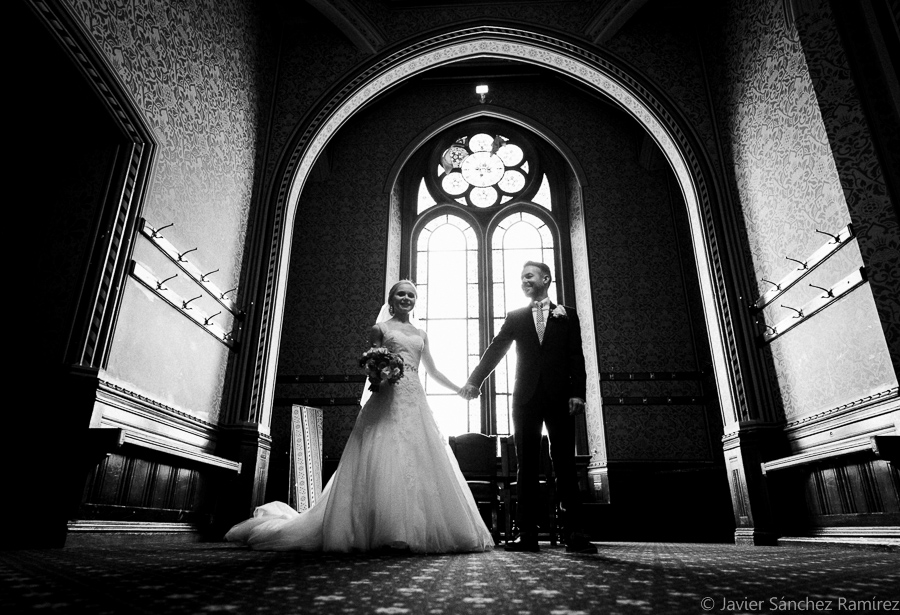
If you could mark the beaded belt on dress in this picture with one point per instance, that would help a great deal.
(410, 368)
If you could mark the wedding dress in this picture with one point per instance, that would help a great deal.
(397, 484)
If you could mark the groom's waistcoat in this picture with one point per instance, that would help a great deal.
(557, 364)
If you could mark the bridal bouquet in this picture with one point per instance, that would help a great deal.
(381, 366)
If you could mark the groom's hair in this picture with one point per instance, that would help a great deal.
(542, 266)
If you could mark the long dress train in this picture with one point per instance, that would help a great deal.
(397, 484)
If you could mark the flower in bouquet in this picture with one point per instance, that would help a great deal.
(382, 366)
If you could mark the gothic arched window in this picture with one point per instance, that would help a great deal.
(483, 205)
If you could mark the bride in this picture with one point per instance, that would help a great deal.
(398, 484)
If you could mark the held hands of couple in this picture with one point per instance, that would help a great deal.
(468, 392)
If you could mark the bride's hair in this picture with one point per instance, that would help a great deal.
(394, 289)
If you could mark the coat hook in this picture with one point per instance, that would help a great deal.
(184, 304)
(154, 232)
(802, 263)
(222, 296)
(203, 277)
(206, 321)
(159, 285)
(777, 286)
(769, 327)
(181, 258)
(828, 292)
(837, 238)
(799, 312)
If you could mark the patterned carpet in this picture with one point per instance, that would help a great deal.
(645, 578)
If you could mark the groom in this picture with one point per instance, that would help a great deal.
(549, 389)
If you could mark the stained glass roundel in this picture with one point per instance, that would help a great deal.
(511, 154)
(481, 142)
(455, 155)
(482, 169)
(483, 197)
(454, 184)
(512, 182)
(485, 167)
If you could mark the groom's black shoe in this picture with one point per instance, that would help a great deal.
(523, 543)
(579, 543)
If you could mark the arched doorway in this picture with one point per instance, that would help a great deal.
(599, 74)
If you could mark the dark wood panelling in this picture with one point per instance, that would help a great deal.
(162, 476)
(182, 488)
(138, 486)
(146, 488)
(860, 492)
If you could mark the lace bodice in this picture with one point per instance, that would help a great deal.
(407, 343)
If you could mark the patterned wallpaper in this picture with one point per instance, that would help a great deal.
(655, 433)
(785, 179)
(338, 256)
(311, 60)
(661, 42)
(876, 219)
(201, 74)
(571, 16)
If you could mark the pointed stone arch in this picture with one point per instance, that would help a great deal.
(594, 71)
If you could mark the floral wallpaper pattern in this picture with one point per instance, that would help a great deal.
(875, 218)
(572, 16)
(655, 433)
(201, 73)
(662, 44)
(786, 180)
(309, 65)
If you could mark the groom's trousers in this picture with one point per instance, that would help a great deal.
(528, 419)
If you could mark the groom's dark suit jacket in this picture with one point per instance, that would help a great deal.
(557, 364)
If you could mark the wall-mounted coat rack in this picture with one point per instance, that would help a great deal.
(828, 296)
(159, 288)
(189, 269)
(804, 267)
(636, 376)
(318, 379)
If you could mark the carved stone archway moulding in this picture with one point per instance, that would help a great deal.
(512, 44)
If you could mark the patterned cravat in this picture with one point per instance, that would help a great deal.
(539, 321)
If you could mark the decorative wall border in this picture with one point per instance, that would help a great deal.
(133, 400)
(499, 42)
(850, 412)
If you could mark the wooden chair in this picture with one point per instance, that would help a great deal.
(548, 520)
(476, 455)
